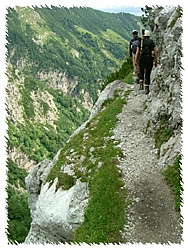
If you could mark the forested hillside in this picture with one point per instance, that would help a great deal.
(57, 62)
(69, 50)
(79, 42)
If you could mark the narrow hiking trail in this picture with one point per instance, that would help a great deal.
(151, 215)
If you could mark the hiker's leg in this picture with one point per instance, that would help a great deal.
(149, 67)
(138, 68)
(141, 74)
(136, 72)
(141, 82)
(142, 68)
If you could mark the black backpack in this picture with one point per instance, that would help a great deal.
(147, 47)
(134, 45)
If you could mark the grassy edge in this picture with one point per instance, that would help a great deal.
(163, 133)
(172, 175)
(105, 214)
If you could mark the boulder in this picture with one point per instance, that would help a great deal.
(55, 214)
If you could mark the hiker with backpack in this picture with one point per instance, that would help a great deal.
(146, 52)
(135, 41)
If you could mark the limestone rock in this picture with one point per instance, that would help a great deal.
(55, 214)
(170, 150)
(108, 93)
(58, 214)
(20, 158)
(165, 94)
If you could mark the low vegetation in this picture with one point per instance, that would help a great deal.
(173, 177)
(179, 13)
(17, 204)
(19, 218)
(163, 131)
(173, 172)
(124, 73)
(40, 140)
(104, 216)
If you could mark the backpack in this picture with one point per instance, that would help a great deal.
(147, 47)
(134, 45)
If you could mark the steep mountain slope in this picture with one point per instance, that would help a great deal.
(68, 43)
(83, 172)
(114, 170)
(57, 60)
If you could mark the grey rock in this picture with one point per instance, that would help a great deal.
(68, 169)
(55, 214)
(170, 150)
(165, 94)
(58, 213)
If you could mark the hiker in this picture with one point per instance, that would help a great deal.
(135, 41)
(145, 52)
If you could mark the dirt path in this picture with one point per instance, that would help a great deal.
(151, 216)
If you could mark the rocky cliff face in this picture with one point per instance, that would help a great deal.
(165, 96)
(57, 213)
(166, 86)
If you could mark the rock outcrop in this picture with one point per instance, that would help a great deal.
(166, 87)
(55, 214)
(164, 99)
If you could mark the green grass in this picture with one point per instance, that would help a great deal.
(84, 31)
(179, 13)
(124, 73)
(105, 213)
(147, 126)
(173, 176)
(163, 133)
(111, 35)
(128, 78)
(104, 216)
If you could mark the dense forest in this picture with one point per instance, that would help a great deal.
(48, 48)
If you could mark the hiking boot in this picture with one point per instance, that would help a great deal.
(137, 80)
(147, 89)
(141, 85)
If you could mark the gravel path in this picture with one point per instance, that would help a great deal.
(151, 214)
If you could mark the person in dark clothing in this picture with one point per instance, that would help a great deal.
(135, 41)
(145, 52)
